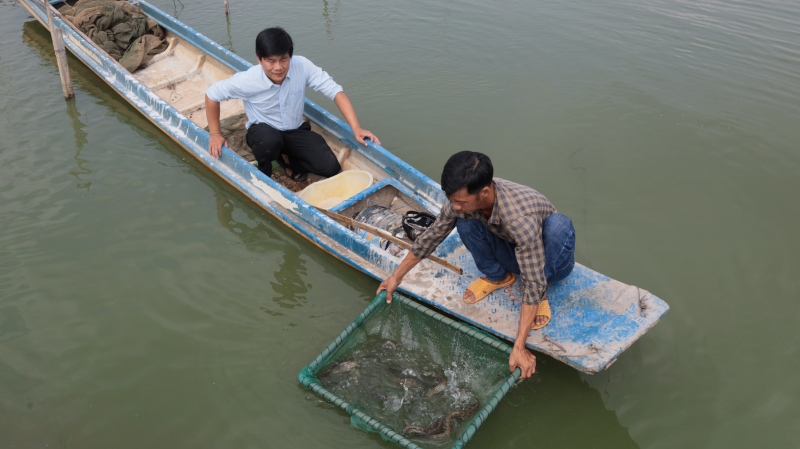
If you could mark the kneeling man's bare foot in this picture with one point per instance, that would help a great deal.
(470, 298)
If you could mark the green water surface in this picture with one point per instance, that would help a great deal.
(145, 303)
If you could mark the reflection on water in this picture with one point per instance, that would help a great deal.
(581, 174)
(80, 141)
(175, 10)
(230, 39)
(260, 238)
(331, 18)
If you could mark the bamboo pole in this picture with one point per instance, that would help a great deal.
(226, 7)
(61, 53)
(385, 235)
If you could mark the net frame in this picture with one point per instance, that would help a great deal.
(308, 378)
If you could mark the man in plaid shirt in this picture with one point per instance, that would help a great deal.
(510, 230)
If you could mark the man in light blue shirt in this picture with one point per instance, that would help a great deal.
(273, 93)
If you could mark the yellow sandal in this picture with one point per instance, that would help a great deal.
(481, 288)
(544, 309)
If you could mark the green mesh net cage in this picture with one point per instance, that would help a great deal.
(470, 374)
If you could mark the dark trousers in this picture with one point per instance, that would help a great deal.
(308, 152)
(495, 256)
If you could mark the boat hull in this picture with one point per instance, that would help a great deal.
(594, 318)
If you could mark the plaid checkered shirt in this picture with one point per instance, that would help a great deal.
(517, 217)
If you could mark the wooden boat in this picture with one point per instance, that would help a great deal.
(594, 318)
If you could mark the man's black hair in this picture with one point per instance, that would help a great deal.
(467, 169)
(274, 41)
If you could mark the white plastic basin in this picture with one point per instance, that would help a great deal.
(334, 190)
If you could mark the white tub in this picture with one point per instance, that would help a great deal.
(332, 191)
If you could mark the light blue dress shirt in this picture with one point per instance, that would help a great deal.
(280, 106)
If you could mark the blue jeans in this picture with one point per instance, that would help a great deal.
(495, 257)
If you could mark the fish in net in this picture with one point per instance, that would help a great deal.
(414, 374)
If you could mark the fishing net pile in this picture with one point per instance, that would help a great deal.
(414, 374)
(119, 28)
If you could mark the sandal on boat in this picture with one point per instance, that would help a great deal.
(481, 288)
(544, 309)
(297, 175)
(284, 165)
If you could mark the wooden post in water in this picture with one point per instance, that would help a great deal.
(61, 53)
(226, 7)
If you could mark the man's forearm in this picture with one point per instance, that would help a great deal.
(409, 262)
(527, 315)
(390, 283)
(520, 356)
(212, 116)
(349, 113)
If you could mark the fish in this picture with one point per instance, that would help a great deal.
(344, 367)
(339, 367)
(408, 382)
(406, 375)
(441, 427)
(439, 387)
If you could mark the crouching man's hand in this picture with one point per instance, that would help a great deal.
(394, 279)
(390, 284)
(522, 358)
